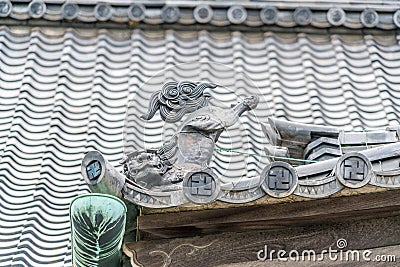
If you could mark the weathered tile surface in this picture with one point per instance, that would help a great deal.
(64, 92)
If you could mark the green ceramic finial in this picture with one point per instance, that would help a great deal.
(97, 230)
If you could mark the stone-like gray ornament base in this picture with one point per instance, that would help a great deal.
(315, 180)
(279, 179)
(201, 187)
(354, 170)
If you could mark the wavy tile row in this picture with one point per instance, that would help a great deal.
(379, 14)
(64, 92)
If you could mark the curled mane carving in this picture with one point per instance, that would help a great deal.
(176, 99)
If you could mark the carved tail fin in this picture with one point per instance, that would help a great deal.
(177, 99)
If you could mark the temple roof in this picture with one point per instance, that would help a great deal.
(236, 14)
(65, 91)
